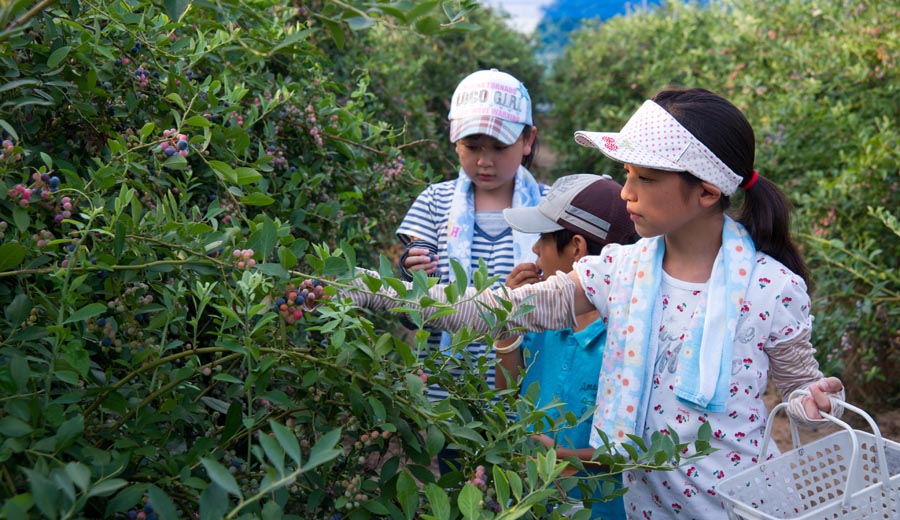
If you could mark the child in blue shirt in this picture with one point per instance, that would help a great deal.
(581, 214)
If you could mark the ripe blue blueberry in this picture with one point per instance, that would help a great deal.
(182, 145)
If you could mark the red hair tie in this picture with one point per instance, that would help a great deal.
(749, 184)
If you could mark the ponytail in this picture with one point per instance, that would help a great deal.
(766, 212)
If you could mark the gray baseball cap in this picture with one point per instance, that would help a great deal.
(585, 204)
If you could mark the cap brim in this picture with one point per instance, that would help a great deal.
(504, 131)
(618, 148)
(529, 220)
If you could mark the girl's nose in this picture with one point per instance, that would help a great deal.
(627, 194)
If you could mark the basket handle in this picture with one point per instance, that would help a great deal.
(853, 480)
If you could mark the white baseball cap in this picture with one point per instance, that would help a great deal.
(490, 102)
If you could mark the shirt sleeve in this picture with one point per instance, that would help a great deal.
(420, 221)
(552, 301)
(792, 361)
(595, 273)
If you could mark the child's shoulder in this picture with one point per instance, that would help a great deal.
(769, 273)
(440, 189)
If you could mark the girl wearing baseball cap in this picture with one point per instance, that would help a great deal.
(461, 219)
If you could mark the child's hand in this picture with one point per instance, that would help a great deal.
(819, 398)
(524, 274)
(418, 258)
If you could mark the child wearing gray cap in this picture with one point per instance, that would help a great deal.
(579, 216)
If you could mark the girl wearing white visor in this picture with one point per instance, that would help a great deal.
(699, 311)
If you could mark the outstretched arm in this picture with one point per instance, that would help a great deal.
(555, 302)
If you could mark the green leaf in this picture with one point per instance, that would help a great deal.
(273, 452)
(125, 500)
(88, 311)
(18, 309)
(198, 121)
(9, 130)
(408, 494)
(358, 23)
(218, 474)
(105, 488)
(469, 501)
(214, 504)
(227, 172)
(175, 98)
(175, 9)
(287, 258)
(162, 503)
(257, 199)
(247, 176)
(434, 441)
(58, 56)
(147, 129)
(11, 255)
(14, 427)
(440, 502)
(336, 31)
(288, 440)
(501, 484)
(323, 451)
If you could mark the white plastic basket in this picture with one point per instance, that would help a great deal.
(848, 474)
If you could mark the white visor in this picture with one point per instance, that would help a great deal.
(652, 138)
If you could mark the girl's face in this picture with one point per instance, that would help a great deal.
(659, 202)
(550, 259)
(489, 163)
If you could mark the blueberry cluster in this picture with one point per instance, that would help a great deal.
(243, 258)
(7, 151)
(144, 513)
(391, 170)
(296, 299)
(173, 143)
(142, 76)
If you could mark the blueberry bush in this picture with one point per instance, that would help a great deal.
(180, 182)
(819, 82)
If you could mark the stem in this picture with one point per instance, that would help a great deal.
(31, 13)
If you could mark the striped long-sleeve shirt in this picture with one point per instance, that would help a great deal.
(426, 223)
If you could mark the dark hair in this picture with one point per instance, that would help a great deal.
(724, 129)
(529, 159)
(564, 236)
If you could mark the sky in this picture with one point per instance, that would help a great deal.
(525, 14)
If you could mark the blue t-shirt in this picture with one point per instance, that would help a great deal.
(566, 365)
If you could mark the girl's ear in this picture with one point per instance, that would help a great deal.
(528, 142)
(709, 195)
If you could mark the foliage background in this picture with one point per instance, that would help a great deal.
(818, 81)
(148, 368)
